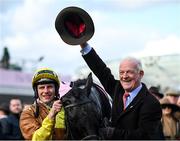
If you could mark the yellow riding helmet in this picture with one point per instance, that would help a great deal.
(45, 75)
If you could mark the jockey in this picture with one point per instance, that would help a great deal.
(44, 120)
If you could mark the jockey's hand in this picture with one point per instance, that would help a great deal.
(56, 107)
(106, 133)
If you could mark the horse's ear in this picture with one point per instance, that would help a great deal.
(89, 83)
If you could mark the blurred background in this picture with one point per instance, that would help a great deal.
(146, 29)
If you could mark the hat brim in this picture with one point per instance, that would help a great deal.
(172, 94)
(63, 32)
(172, 106)
(159, 95)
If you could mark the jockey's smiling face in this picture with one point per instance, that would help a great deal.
(46, 92)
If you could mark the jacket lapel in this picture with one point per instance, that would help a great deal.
(136, 101)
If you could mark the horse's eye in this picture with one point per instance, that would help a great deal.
(67, 102)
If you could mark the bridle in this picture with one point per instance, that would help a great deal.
(77, 104)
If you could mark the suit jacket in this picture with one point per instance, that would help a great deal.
(141, 119)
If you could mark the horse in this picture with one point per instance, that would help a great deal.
(87, 109)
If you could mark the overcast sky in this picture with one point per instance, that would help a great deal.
(122, 28)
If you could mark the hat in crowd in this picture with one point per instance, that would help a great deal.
(155, 90)
(166, 103)
(74, 25)
(172, 92)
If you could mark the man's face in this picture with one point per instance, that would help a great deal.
(46, 92)
(15, 106)
(130, 75)
(166, 110)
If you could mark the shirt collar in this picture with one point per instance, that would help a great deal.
(133, 94)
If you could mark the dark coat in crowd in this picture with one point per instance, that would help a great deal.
(1, 134)
(4, 128)
(12, 130)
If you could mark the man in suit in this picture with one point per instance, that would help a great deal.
(140, 118)
(11, 129)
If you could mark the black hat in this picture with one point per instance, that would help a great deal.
(155, 90)
(74, 25)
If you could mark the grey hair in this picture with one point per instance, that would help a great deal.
(136, 61)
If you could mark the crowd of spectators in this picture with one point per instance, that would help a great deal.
(170, 104)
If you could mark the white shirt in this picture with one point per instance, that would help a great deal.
(86, 49)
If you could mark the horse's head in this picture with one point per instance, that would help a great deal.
(82, 111)
(79, 94)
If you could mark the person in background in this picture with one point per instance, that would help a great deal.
(178, 102)
(172, 95)
(4, 112)
(12, 131)
(155, 91)
(136, 114)
(1, 134)
(44, 120)
(177, 114)
(170, 120)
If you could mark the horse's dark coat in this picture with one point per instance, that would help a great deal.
(86, 105)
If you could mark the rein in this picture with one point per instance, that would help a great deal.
(77, 104)
(94, 137)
